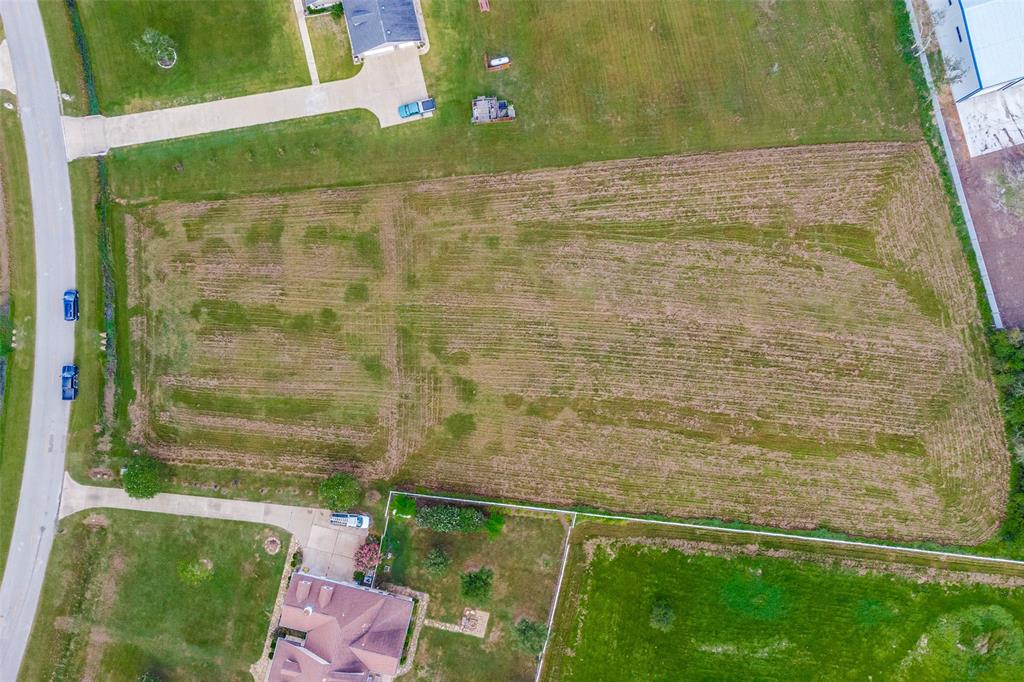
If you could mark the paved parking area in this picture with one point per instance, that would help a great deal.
(384, 83)
(331, 550)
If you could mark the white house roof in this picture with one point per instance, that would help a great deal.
(996, 33)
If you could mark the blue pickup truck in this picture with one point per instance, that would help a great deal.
(69, 382)
(425, 107)
(71, 305)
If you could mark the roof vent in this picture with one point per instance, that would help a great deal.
(324, 598)
(308, 610)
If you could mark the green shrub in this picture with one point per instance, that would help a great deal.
(341, 491)
(338, 11)
(404, 506)
(495, 522)
(436, 562)
(530, 636)
(195, 572)
(663, 616)
(447, 518)
(476, 585)
(144, 476)
(358, 576)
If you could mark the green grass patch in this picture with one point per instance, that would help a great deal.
(331, 50)
(130, 593)
(589, 81)
(223, 50)
(17, 245)
(748, 617)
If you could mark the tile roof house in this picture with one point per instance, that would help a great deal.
(352, 633)
(379, 25)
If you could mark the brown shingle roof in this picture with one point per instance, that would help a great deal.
(350, 632)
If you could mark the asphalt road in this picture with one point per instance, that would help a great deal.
(54, 338)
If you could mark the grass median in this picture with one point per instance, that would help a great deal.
(16, 224)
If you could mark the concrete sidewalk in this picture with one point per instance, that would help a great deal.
(385, 82)
(327, 550)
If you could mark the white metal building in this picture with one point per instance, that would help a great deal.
(985, 39)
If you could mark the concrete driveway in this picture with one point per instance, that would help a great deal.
(385, 82)
(326, 550)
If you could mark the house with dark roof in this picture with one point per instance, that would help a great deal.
(339, 631)
(376, 26)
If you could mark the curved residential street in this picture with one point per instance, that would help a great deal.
(54, 338)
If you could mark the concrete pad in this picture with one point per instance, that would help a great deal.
(6, 71)
(322, 539)
(993, 121)
(385, 82)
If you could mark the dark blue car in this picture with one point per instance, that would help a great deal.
(69, 382)
(71, 305)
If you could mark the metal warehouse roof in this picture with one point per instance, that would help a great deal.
(996, 32)
(373, 23)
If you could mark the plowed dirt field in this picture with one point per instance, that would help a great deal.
(785, 336)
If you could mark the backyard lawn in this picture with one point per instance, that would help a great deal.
(222, 49)
(590, 80)
(683, 610)
(331, 49)
(524, 556)
(130, 593)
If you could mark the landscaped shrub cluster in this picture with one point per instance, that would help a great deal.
(1008, 367)
(340, 491)
(366, 556)
(476, 585)
(447, 518)
(530, 636)
(144, 476)
(436, 562)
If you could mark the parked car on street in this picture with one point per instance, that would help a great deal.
(69, 382)
(350, 520)
(71, 305)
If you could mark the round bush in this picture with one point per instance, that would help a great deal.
(341, 491)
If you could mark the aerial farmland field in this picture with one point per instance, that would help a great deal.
(786, 336)
(686, 608)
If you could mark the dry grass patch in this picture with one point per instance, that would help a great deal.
(784, 336)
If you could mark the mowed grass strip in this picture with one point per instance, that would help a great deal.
(17, 290)
(130, 593)
(223, 50)
(590, 80)
(679, 608)
(786, 337)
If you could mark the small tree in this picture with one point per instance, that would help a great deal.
(367, 556)
(338, 11)
(341, 491)
(437, 562)
(158, 47)
(530, 636)
(476, 585)
(663, 617)
(144, 476)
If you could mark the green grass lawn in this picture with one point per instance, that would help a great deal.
(224, 50)
(331, 50)
(67, 66)
(590, 80)
(128, 593)
(743, 615)
(20, 254)
(525, 557)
